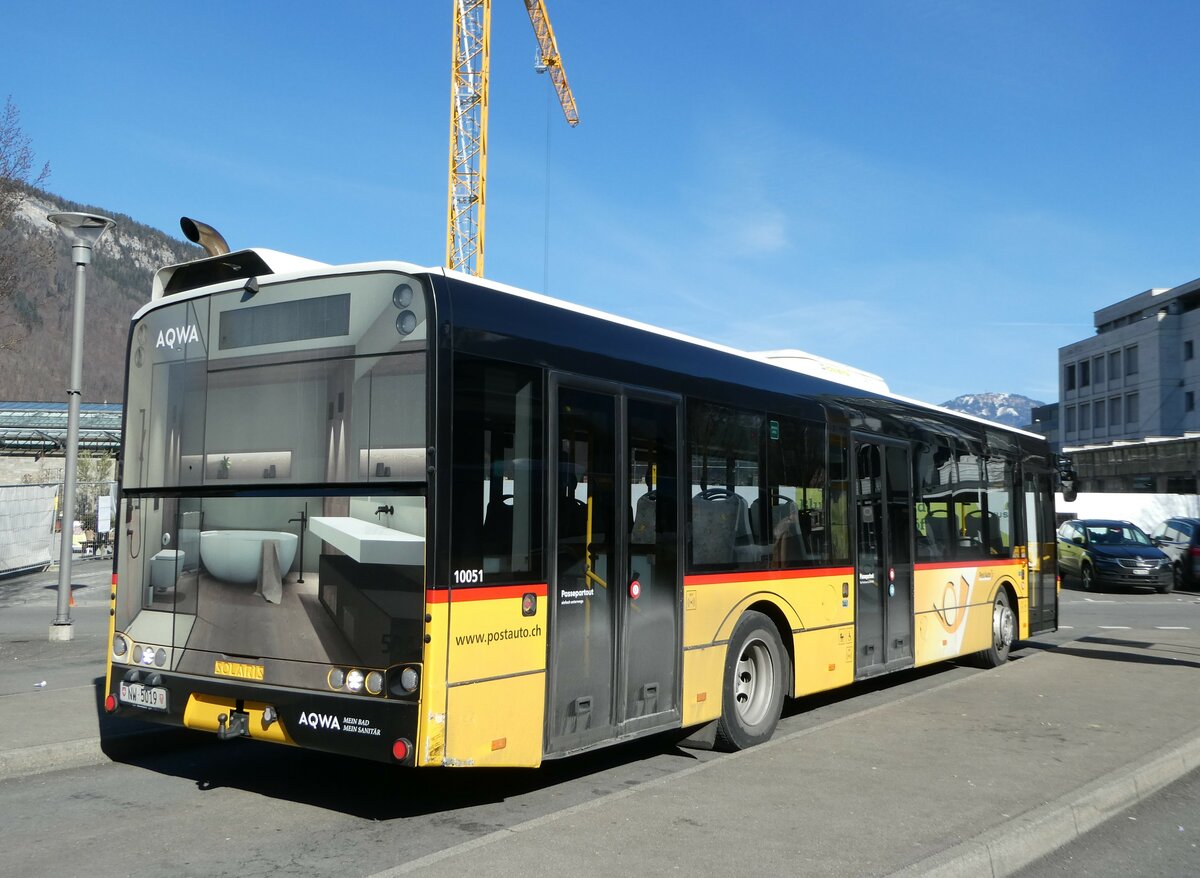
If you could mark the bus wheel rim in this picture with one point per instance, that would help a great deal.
(754, 681)
(1003, 625)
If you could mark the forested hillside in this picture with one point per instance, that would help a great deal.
(37, 367)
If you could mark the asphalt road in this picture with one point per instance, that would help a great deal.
(188, 805)
(1161, 835)
(279, 811)
(1156, 837)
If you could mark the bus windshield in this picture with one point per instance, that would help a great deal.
(273, 479)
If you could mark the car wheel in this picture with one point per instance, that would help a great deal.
(756, 666)
(1171, 584)
(1087, 578)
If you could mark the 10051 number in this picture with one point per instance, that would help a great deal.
(468, 577)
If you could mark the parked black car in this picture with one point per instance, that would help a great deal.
(1107, 552)
(1180, 539)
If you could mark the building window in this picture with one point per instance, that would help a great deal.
(1189, 351)
(1131, 360)
(1085, 373)
(1069, 377)
(1114, 365)
(1098, 369)
(1085, 417)
(1114, 412)
(1071, 419)
(1131, 409)
(1189, 401)
(1181, 485)
(1099, 413)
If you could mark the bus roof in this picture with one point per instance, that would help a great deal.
(228, 271)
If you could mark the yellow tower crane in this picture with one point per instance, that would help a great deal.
(469, 119)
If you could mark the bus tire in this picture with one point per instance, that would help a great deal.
(1004, 632)
(755, 679)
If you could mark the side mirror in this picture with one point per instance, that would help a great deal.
(1077, 540)
(1066, 478)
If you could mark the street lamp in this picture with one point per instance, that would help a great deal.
(84, 231)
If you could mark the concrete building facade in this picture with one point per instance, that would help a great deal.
(1128, 396)
(1139, 375)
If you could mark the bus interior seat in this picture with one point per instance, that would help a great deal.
(645, 519)
(786, 538)
(938, 530)
(498, 525)
(720, 526)
(983, 530)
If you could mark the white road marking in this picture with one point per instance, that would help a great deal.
(1171, 628)
(1114, 627)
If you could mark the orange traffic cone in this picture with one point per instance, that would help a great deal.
(72, 601)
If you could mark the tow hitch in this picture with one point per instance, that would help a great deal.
(235, 724)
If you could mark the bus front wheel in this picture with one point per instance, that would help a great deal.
(1004, 632)
(756, 668)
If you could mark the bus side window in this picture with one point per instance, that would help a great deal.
(788, 522)
(937, 531)
(496, 526)
(724, 445)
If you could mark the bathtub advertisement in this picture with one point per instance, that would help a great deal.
(320, 583)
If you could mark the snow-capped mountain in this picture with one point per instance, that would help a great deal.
(1010, 409)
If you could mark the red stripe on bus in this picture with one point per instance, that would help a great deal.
(488, 593)
(765, 575)
(947, 565)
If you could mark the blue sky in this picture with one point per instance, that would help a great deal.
(939, 192)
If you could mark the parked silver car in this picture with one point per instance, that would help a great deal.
(1180, 539)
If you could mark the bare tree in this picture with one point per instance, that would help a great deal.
(16, 176)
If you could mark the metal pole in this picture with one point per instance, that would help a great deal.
(84, 231)
(81, 256)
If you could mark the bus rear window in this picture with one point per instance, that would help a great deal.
(300, 320)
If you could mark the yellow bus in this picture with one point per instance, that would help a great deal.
(418, 517)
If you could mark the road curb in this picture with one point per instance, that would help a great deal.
(1033, 835)
(28, 761)
(50, 757)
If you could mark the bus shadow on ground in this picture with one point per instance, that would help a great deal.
(361, 788)
(378, 791)
(1116, 649)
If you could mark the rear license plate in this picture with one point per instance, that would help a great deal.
(149, 697)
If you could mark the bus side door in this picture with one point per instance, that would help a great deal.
(884, 566)
(615, 583)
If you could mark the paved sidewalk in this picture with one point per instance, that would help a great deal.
(977, 776)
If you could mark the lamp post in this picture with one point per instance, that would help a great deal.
(84, 231)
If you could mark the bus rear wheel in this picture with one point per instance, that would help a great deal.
(756, 668)
(1004, 632)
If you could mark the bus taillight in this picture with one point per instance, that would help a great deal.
(400, 750)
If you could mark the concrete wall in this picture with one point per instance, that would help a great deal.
(1147, 511)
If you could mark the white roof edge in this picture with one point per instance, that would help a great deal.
(289, 268)
(823, 367)
(300, 265)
